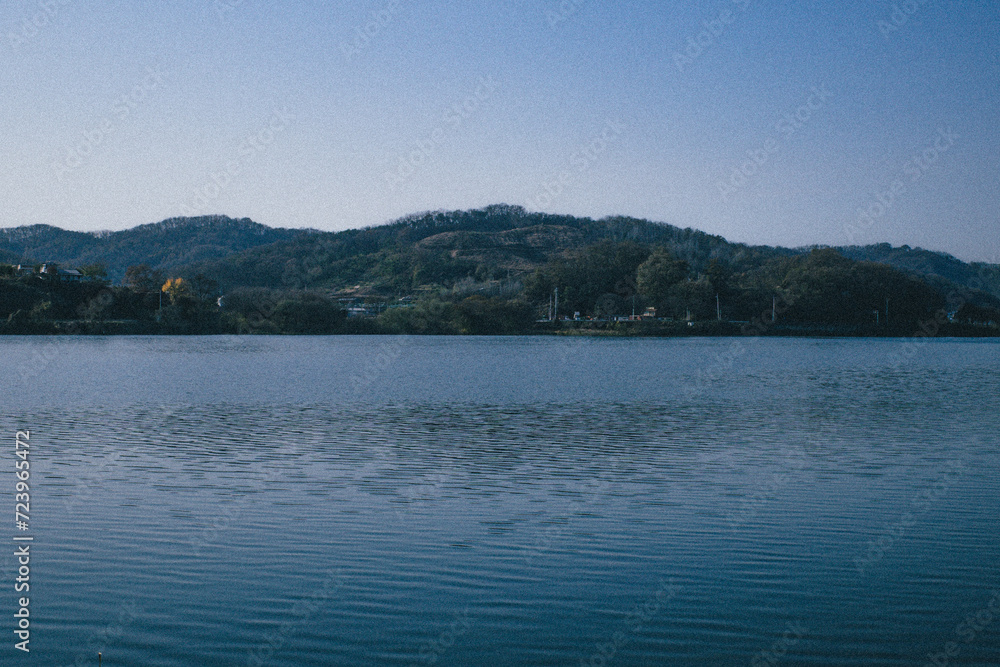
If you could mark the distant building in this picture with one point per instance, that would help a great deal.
(360, 311)
(64, 275)
(70, 275)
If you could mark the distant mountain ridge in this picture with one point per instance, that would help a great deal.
(437, 247)
(930, 265)
(440, 247)
(162, 245)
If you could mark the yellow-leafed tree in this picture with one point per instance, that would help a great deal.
(176, 289)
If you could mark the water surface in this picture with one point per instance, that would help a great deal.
(507, 501)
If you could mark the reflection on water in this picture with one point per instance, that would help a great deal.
(509, 501)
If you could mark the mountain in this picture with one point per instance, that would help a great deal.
(495, 243)
(499, 242)
(492, 270)
(162, 245)
(933, 266)
(503, 242)
(9, 257)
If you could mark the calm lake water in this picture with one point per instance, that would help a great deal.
(506, 501)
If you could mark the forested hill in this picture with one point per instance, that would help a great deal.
(430, 248)
(498, 242)
(494, 270)
(501, 242)
(932, 266)
(161, 245)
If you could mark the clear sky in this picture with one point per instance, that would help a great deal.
(764, 122)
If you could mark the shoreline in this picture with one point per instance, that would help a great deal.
(565, 328)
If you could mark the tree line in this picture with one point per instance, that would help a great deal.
(612, 279)
(604, 281)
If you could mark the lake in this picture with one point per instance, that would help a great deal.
(505, 501)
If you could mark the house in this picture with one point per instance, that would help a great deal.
(63, 275)
(361, 311)
(70, 275)
(23, 270)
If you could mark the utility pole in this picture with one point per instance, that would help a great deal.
(557, 304)
(774, 308)
(718, 308)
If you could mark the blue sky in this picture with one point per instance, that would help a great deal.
(821, 122)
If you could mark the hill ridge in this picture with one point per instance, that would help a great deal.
(243, 251)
